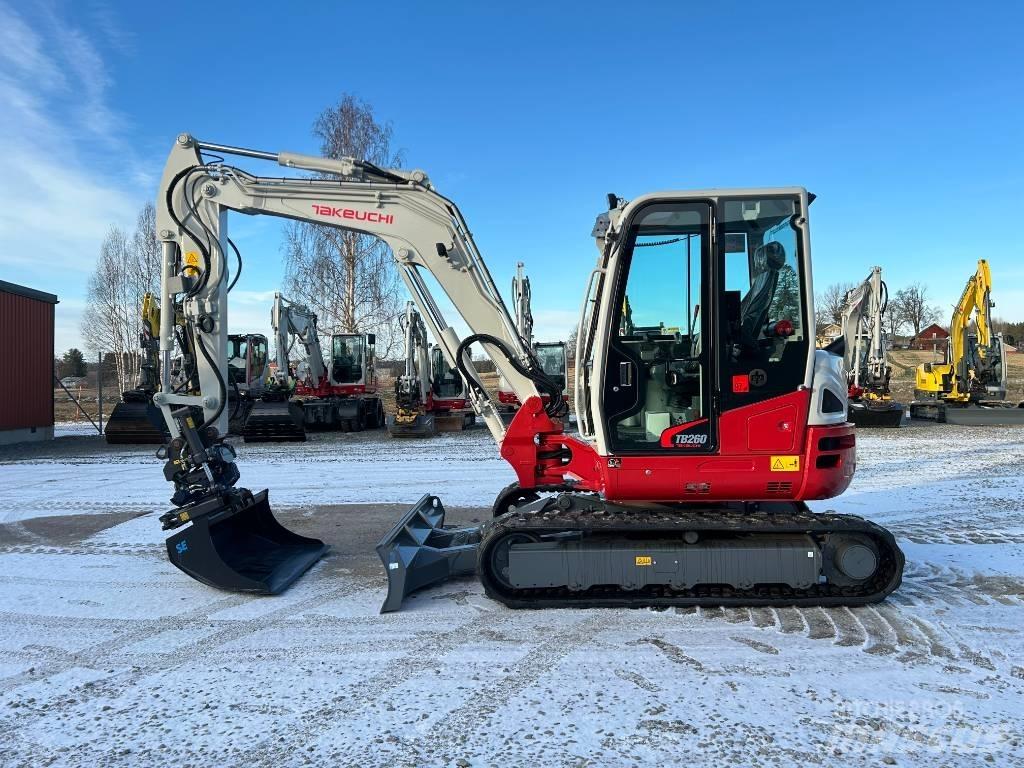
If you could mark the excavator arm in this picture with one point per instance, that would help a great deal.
(862, 311)
(425, 231)
(975, 304)
(289, 319)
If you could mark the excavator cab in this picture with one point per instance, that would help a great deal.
(675, 292)
(352, 359)
(247, 361)
(445, 382)
(552, 359)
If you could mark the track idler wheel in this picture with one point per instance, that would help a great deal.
(499, 556)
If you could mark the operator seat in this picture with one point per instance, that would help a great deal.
(769, 258)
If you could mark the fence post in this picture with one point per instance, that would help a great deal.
(99, 385)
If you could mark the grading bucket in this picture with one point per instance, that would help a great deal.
(242, 548)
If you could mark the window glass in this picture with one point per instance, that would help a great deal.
(551, 357)
(347, 359)
(762, 303)
(655, 380)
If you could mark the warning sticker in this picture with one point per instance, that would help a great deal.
(192, 258)
(785, 463)
(643, 560)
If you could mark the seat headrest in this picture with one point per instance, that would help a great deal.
(771, 255)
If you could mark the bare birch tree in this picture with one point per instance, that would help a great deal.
(347, 278)
(127, 268)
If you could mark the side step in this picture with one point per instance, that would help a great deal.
(240, 548)
(419, 551)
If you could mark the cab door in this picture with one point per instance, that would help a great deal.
(658, 365)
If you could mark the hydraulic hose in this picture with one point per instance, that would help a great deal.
(556, 407)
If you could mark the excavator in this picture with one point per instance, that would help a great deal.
(430, 396)
(413, 417)
(136, 421)
(551, 354)
(449, 396)
(340, 397)
(247, 374)
(969, 386)
(864, 355)
(704, 426)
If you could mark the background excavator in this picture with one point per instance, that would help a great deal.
(430, 396)
(969, 386)
(136, 421)
(341, 396)
(551, 355)
(412, 417)
(705, 422)
(864, 355)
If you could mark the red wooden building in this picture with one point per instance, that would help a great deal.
(933, 338)
(26, 364)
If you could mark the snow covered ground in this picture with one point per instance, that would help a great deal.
(110, 656)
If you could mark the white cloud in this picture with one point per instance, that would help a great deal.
(59, 190)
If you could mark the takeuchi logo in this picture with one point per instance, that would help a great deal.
(350, 213)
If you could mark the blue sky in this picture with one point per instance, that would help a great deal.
(904, 118)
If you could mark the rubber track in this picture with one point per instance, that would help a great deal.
(586, 515)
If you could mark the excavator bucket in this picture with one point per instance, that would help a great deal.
(418, 425)
(275, 421)
(419, 551)
(243, 549)
(887, 414)
(136, 422)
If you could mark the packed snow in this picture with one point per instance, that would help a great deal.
(110, 656)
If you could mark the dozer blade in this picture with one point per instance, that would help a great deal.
(242, 549)
(136, 423)
(982, 416)
(456, 421)
(274, 422)
(869, 416)
(423, 425)
(419, 551)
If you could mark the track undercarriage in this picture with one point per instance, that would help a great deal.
(576, 550)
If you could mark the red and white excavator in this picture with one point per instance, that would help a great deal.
(340, 396)
(430, 396)
(551, 355)
(707, 417)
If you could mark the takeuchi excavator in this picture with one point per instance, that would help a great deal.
(705, 423)
(430, 396)
(865, 356)
(342, 396)
(969, 387)
(551, 355)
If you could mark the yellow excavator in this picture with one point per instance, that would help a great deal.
(969, 387)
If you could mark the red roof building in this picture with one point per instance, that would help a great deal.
(932, 338)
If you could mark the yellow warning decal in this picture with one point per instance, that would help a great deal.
(188, 420)
(191, 267)
(785, 463)
(644, 560)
